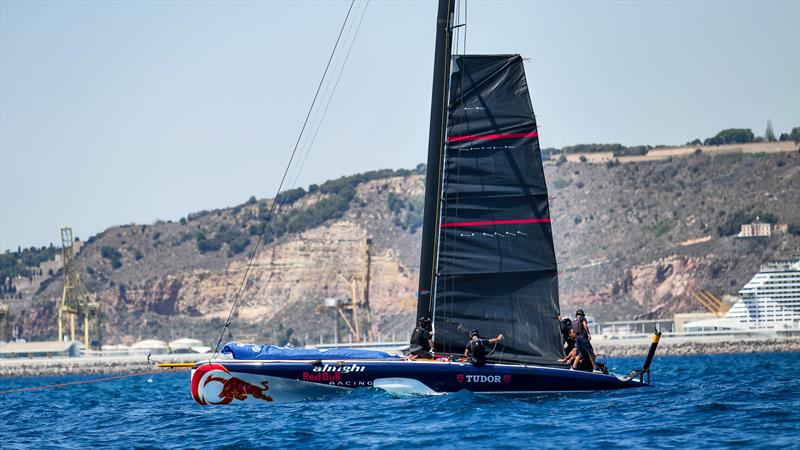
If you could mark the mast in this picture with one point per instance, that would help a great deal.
(436, 137)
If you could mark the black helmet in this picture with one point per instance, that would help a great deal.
(579, 313)
(424, 321)
(473, 332)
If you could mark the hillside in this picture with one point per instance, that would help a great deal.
(625, 238)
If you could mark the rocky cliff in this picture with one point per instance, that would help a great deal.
(631, 240)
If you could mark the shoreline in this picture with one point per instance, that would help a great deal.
(689, 348)
(603, 347)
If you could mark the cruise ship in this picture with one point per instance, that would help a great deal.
(768, 302)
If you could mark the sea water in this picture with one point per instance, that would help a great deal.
(720, 401)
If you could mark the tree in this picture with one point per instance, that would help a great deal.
(769, 134)
(794, 135)
(731, 136)
(110, 252)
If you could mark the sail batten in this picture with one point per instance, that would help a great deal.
(491, 137)
(496, 268)
(496, 222)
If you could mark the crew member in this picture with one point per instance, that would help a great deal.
(583, 340)
(422, 340)
(476, 347)
(569, 338)
(570, 356)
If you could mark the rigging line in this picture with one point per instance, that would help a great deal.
(457, 22)
(466, 2)
(333, 91)
(72, 383)
(326, 93)
(271, 223)
(449, 300)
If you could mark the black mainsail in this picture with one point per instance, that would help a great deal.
(495, 266)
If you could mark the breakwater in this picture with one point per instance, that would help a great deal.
(21, 367)
(606, 347)
(697, 347)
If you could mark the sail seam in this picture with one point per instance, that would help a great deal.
(494, 222)
(491, 137)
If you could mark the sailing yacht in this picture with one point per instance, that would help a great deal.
(487, 262)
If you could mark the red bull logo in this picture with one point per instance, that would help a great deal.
(231, 387)
(322, 376)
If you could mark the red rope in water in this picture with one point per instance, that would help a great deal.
(71, 383)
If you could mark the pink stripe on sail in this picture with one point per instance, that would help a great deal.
(490, 137)
(494, 222)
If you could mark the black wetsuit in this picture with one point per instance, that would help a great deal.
(585, 349)
(477, 351)
(420, 342)
(586, 363)
(566, 325)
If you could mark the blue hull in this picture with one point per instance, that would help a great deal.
(226, 381)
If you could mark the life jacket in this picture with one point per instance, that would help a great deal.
(577, 325)
(419, 340)
(477, 351)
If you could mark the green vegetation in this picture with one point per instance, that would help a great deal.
(734, 223)
(291, 196)
(660, 228)
(337, 194)
(616, 149)
(395, 202)
(23, 262)
(561, 183)
(793, 135)
(237, 241)
(408, 214)
(731, 136)
(794, 229)
(110, 253)
(113, 255)
(207, 245)
(769, 134)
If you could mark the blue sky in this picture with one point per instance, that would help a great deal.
(132, 111)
